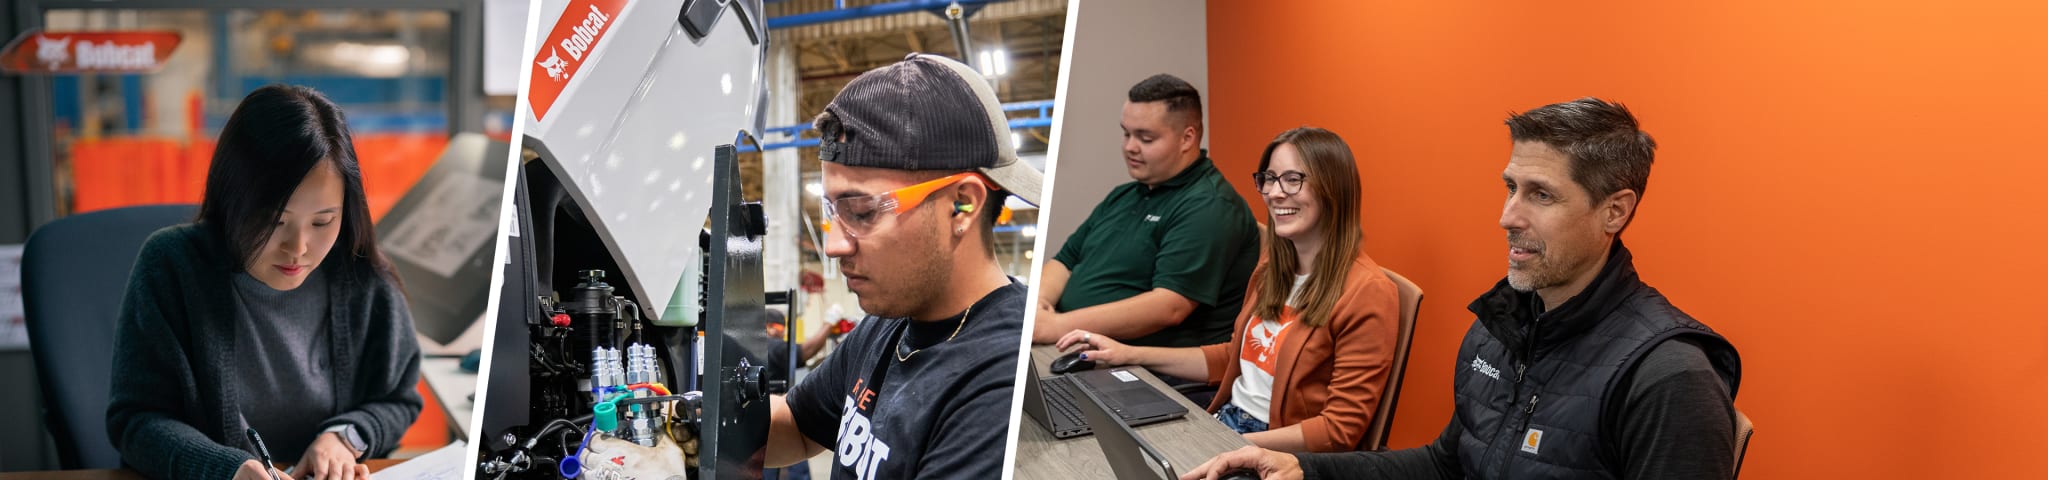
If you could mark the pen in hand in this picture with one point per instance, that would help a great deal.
(263, 451)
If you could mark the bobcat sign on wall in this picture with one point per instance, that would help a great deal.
(39, 52)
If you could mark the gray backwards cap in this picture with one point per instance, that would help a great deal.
(926, 112)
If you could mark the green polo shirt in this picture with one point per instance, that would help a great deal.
(1193, 235)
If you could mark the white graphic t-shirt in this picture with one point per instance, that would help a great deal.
(1253, 390)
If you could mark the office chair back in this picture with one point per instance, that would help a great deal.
(74, 273)
(1743, 430)
(1383, 418)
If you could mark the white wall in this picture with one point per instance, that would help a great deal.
(1111, 46)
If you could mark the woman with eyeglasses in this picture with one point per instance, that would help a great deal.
(271, 315)
(1312, 349)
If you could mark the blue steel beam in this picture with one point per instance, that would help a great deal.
(1015, 124)
(1043, 120)
(843, 13)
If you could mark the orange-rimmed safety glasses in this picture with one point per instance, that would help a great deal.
(858, 215)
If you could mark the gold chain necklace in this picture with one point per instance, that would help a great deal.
(903, 357)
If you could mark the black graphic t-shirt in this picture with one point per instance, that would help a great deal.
(945, 412)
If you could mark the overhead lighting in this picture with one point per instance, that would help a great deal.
(368, 59)
(1016, 139)
(1029, 231)
(995, 62)
(814, 189)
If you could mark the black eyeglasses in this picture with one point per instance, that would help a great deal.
(1290, 182)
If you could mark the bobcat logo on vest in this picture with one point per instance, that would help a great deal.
(1480, 365)
(1532, 441)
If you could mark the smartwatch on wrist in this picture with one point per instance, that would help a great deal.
(352, 437)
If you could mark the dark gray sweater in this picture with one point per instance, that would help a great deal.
(174, 411)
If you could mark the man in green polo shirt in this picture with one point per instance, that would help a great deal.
(1163, 260)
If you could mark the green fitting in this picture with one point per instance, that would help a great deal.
(607, 416)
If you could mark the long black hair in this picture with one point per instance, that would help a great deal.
(276, 136)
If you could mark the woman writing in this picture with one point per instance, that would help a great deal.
(272, 312)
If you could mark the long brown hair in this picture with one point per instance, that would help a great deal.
(1333, 180)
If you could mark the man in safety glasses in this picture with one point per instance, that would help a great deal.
(917, 160)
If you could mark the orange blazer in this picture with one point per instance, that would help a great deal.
(1329, 378)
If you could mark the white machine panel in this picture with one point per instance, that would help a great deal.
(631, 132)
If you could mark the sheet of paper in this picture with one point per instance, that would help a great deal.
(443, 464)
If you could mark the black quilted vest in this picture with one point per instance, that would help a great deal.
(1535, 390)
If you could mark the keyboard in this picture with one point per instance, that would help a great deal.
(1060, 396)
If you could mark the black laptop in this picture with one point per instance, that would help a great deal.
(1130, 456)
(1054, 401)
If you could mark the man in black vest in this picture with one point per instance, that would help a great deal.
(1574, 368)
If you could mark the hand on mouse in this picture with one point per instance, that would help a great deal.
(1098, 348)
(1269, 464)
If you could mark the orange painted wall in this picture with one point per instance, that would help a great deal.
(141, 170)
(1852, 193)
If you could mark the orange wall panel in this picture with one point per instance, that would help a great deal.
(1849, 191)
(127, 171)
(430, 430)
(392, 163)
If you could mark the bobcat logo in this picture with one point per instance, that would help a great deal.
(53, 52)
(554, 64)
(1480, 365)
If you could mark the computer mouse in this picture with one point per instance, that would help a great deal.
(1239, 474)
(1070, 363)
(473, 361)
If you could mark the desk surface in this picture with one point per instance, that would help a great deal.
(375, 464)
(1186, 442)
(452, 387)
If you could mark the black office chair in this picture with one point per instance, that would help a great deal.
(74, 272)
